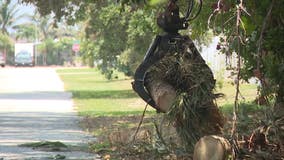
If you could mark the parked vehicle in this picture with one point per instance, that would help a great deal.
(24, 58)
(2, 60)
(24, 54)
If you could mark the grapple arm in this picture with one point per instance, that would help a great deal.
(140, 73)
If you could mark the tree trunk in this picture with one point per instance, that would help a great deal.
(212, 148)
(279, 103)
(163, 94)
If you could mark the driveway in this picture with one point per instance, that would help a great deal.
(33, 108)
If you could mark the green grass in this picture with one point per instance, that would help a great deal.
(248, 93)
(96, 96)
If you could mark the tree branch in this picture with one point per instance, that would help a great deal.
(234, 135)
(259, 44)
(140, 123)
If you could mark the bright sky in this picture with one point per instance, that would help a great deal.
(24, 9)
(213, 59)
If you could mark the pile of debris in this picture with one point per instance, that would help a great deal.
(182, 85)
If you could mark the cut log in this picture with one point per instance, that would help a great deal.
(212, 148)
(163, 94)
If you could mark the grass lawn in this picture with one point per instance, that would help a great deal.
(248, 93)
(94, 95)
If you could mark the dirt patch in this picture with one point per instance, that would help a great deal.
(157, 139)
(115, 138)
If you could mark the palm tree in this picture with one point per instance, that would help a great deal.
(26, 32)
(8, 15)
(44, 33)
(6, 45)
(47, 33)
(44, 27)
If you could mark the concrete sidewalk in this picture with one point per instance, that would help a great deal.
(33, 108)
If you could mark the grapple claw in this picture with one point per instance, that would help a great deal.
(140, 73)
(170, 43)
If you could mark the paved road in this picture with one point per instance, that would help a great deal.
(34, 107)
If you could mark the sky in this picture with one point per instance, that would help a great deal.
(24, 9)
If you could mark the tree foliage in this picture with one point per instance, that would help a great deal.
(5, 41)
(262, 39)
(121, 31)
(8, 15)
(115, 38)
(6, 45)
(140, 32)
(26, 31)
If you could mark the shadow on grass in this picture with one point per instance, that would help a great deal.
(114, 113)
(244, 108)
(114, 94)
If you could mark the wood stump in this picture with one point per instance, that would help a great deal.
(212, 148)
